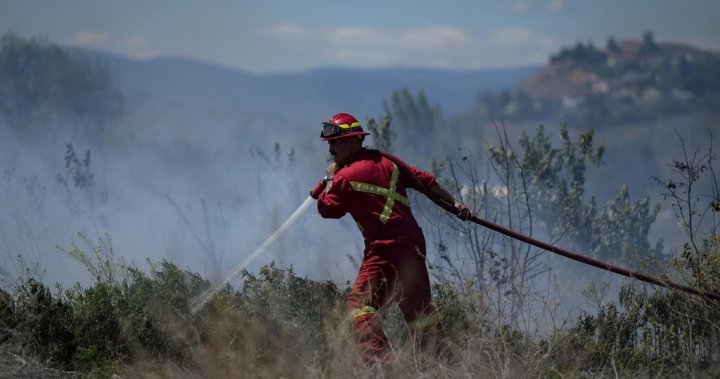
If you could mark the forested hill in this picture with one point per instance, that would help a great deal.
(310, 93)
(626, 81)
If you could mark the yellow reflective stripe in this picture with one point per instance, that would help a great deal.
(424, 322)
(369, 188)
(392, 196)
(385, 216)
(362, 311)
(348, 126)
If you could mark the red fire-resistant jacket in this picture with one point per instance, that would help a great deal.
(371, 188)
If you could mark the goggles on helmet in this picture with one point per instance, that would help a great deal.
(329, 129)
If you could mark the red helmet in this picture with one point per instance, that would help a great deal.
(341, 125)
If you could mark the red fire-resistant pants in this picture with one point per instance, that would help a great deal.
(393, 271)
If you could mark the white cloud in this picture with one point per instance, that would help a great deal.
(366, 46)
(510, 37)
(514, 38)
(349, 36)
(439, 46)
(137, 46)
(134, 45)
(433, 38)
(90, 39)
(288, 30)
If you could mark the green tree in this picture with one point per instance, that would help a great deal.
(417, 124)
(381, 133)
(612, 45)
(555, 178)
(537, 189)
(648, 42)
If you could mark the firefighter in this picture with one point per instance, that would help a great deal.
(370, 187)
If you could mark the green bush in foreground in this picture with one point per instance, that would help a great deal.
(129, 315)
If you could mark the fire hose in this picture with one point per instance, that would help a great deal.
(201, 300)
(546, 246)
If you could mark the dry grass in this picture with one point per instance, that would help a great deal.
(280, 325)
(15, 362)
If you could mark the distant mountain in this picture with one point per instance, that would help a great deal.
(630, 80)
(309, 93)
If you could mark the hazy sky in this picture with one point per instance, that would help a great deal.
(273, 35)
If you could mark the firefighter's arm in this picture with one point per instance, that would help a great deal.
(330, 204)
(437, 190)
(332, 200)
(324, 185)
(428, 180)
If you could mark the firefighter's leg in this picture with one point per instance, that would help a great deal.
(415, 302)
(428, 335)
(367, 296)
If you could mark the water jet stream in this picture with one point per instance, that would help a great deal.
(201, 300)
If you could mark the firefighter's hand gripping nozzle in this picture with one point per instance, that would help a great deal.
(320, 187)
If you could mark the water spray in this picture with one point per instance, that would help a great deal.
(201, 300)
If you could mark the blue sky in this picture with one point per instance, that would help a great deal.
(266, 36)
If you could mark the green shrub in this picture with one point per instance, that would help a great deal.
(42, 323)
